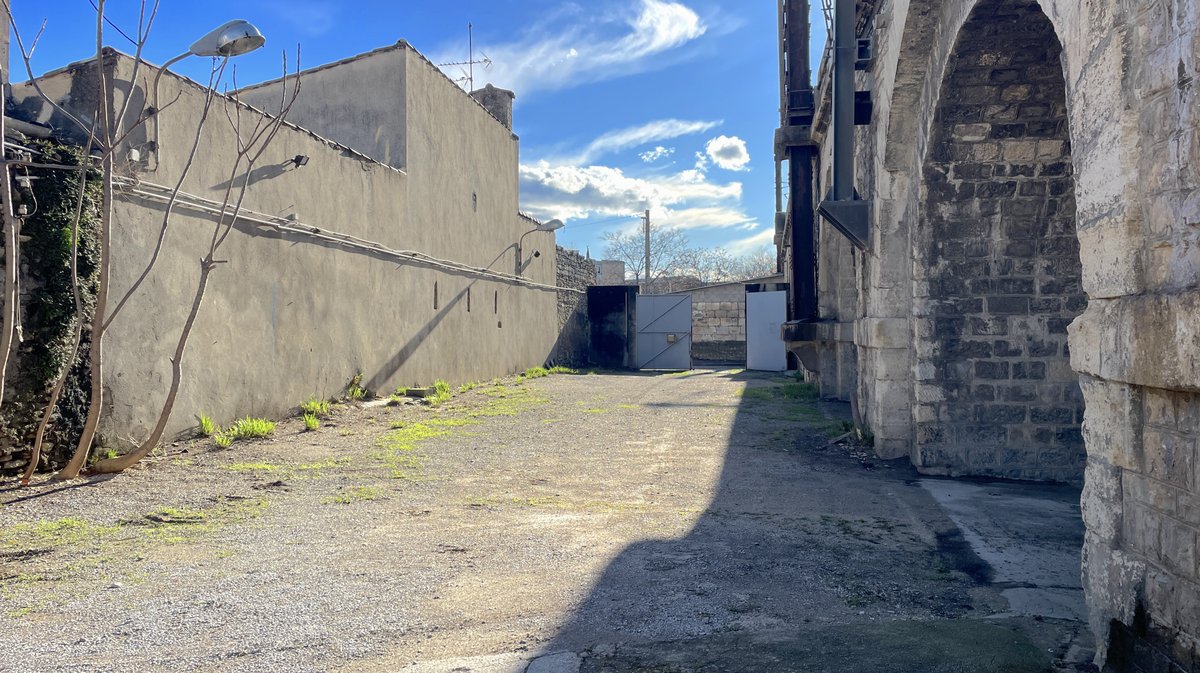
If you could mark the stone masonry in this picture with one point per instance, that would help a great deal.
(574, 271)
(1031, 168)
(1002, 258)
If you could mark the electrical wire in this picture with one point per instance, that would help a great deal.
(114, 26)
(162, 193)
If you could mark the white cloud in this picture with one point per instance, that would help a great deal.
(557, 57)
(681, 200)
(623, 139)
(728, 153)
(766, 238)
(660, 152)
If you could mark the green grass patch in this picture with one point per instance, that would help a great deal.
(311, 422)
(808, 392)
(315, 407)
(678, 375)
(354, 389)
(441, 393)
(251, 428)
(253, 467)
(469, 386)
(628, 406)
(52, 534)
(595, 410)
(559, 369)
(505, 401)
(535, 373)
(223, 440)
(206, 427)
(762, 394)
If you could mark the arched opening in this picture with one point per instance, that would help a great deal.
(998, 266)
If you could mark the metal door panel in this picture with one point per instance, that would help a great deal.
(664, 332)
(765, 314)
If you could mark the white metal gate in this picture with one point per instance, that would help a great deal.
(765, 315)
(664, 332)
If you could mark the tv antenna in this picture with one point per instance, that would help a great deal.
(469, 74)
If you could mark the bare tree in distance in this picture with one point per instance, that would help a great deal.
(668, 251)
(755, 264)
(675, 265)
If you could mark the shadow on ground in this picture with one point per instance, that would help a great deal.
(813, 556)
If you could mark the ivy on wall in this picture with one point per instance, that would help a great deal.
(48, 303)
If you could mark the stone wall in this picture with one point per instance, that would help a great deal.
(577, 272)
(999, 259)
(947, 264)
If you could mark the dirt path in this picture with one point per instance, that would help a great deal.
(629, 522)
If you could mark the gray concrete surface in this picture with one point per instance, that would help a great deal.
(1028, 534)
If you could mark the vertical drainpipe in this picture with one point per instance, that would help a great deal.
(848, 214)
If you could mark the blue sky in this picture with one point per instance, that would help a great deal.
(621, 105)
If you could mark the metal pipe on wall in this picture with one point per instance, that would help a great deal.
(845, 47)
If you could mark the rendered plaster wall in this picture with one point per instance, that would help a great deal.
(360, 102)
(286, 316)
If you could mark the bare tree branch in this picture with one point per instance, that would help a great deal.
(247, 156)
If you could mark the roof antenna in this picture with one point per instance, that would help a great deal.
(469, 75)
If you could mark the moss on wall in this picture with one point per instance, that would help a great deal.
(48, 305)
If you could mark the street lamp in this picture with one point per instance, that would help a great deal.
(234, 38)
(552, 225)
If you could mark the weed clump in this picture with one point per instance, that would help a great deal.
(250, 428)
(354, 389)
(801, 391)
(441, 393)
(535, 373)
(559, 369)
(315, 407)
(311, 422)
(206, 427)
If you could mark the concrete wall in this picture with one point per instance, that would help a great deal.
(359, 102)
(1129, 70)
(287, 316)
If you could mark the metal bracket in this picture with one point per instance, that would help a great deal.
(852, 218)
(788, 137)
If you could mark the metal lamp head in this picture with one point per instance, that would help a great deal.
(232, 39)
(552, 225)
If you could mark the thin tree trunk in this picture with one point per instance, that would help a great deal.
(12, 265)
(121, 463)
(96, 351)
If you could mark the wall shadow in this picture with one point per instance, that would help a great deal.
(802, 537)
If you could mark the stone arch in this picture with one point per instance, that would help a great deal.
(997, 273)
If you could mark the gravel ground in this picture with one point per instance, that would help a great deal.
(562, 513)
